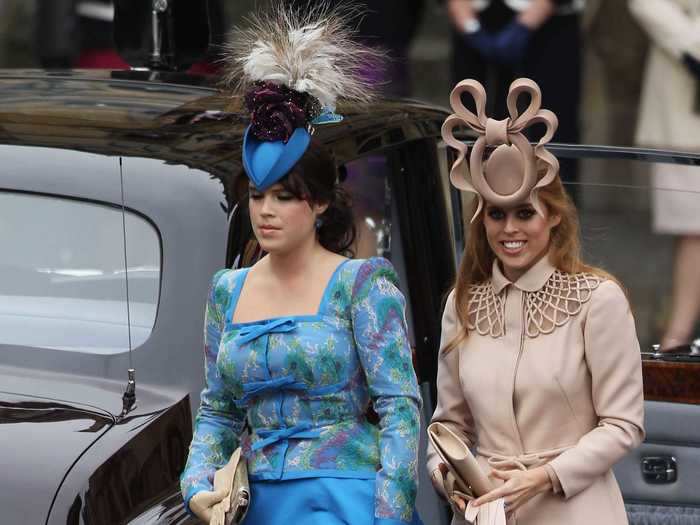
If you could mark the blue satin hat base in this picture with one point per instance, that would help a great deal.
(266, 162)
(327, 117)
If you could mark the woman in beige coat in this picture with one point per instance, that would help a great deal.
(539, 368)
(669, 118)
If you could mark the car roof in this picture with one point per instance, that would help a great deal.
(169, 116)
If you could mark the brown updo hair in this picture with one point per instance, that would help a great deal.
(315, 179)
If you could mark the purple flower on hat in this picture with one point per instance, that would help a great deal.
(276, 111)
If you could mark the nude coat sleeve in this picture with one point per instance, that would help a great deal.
(668, 26)
(614, 361)
(451, 408)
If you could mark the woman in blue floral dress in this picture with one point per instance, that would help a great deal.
(298, 345)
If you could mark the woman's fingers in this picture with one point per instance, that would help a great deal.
(460, 503)
(496, 493)
(208, 498)
(438, 482)
(502, 474)
(514, 503)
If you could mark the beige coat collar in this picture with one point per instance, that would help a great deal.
(531, 281)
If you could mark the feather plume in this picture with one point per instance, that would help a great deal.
(314, 52)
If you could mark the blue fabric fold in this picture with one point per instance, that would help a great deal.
(302, 431)
(255, 388)
(253, 331)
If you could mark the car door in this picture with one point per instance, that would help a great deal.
(644, 207)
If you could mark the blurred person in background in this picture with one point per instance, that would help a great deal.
(79, 34)
(16, 33)
(670, 118)
(76, 34)
(497, 41)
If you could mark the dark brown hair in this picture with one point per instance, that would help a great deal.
(314, 179)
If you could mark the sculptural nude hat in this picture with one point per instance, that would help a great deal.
(510, 175)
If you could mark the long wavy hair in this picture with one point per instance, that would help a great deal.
(564, 252)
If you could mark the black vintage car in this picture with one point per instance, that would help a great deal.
(122, 193)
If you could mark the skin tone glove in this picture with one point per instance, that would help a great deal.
(520, 487)
(202, 503)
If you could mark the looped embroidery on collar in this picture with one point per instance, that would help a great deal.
(560, 299)
(486, 310)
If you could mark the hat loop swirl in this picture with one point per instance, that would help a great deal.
(501, 133)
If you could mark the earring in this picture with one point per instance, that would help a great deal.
(318, 223)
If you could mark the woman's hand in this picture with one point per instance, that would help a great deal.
(520, 486)
(536, 14)
(460, 11)
(438, 477)
(201, 504)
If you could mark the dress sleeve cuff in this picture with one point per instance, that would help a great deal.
(554, 479)
(190, 491)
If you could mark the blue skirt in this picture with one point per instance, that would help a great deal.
(315, 501)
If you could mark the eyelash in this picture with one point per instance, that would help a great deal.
(522, 214)
(283, 196)
(496, 215)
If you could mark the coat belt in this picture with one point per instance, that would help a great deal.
(522, 461)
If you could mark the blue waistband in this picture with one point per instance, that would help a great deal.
(288, 382)
(301, 431)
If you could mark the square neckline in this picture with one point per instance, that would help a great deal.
(301, 317)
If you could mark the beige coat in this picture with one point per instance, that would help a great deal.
(666, 116)
(666, 119)
(550, 373)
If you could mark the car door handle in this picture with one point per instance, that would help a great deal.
(684, 353)
(659, 469)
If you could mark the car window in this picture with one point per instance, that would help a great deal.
(367, 183)
(634, 217)
(63, 279)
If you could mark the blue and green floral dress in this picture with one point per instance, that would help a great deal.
(303, 384)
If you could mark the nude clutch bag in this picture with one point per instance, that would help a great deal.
(233, 478)
(455, 454)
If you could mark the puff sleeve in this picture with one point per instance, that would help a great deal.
(219, 422)
(613, 358)
(379, 328)
(451, 408)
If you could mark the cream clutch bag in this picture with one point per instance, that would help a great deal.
(233, 478)
(469, 478)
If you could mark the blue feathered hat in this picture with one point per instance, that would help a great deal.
(293, 66)
(266, 162)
